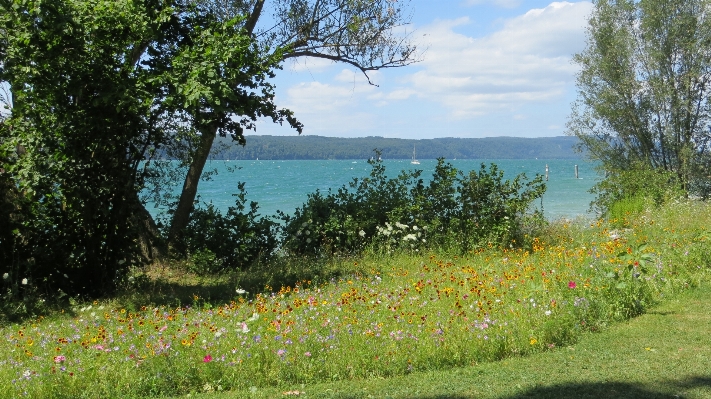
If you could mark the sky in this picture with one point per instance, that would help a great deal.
(488, 68)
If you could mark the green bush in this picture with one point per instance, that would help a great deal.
(456, 211)
(633, 187)
(345, 221)
(215, 242)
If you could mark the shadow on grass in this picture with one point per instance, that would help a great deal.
(174, 286)
(620, 390)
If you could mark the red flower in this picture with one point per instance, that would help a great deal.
(572, 285)
(207, 359)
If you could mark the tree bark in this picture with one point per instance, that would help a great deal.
(181, 217)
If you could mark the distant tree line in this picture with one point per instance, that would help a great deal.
(318, 147)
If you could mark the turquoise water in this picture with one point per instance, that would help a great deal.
(284, 185)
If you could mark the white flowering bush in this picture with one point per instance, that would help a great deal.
(400, 236)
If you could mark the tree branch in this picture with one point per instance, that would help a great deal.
(254, 16)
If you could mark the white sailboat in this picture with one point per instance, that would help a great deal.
(414, 159)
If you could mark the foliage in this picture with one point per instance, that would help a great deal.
(71, 144)
(97, 87)
(492, 208)
(630, 189)
(455, 210)
(644, 88)
(346, 220)
(215, 242)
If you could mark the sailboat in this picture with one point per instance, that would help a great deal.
(414, 159)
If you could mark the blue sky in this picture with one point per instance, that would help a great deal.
(491, 68)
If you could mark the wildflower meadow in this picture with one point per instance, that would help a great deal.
(406, 311)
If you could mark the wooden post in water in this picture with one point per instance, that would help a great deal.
(546, 172)
(576, 171)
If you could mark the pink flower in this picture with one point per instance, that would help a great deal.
(59, 359)
(572, 285)
(307, 354)
(207, 359)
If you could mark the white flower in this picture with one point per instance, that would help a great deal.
(410, 237)
(218, 334)
(415, 228)
(548, 312)
(24, 281)
(240, 291)
(244, 328)
(361, 233)
(307, 232)
(401, 226)
(5, 276)
(255, 316)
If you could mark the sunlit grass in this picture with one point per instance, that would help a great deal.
(393, 315)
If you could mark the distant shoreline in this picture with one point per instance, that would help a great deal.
(324, 148)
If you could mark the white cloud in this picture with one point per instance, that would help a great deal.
(527, 61)
(325, 108)
(499, 3)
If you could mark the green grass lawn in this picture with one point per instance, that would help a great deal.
(665, 353)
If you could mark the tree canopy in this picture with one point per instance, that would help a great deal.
(644, 88)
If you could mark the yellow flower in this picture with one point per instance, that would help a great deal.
(533, 341)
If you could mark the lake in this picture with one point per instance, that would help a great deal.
(284, 184)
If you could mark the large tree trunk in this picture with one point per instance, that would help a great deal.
(149, 237)
(181, 217)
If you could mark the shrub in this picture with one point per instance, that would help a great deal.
(633, 186)
(455, 210)
(215, 242)
(345, 221)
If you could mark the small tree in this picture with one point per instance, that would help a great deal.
(358, 33)
(644, 88)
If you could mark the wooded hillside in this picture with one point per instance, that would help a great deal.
(318, 147)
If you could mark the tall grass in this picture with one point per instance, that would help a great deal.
(374, 316)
